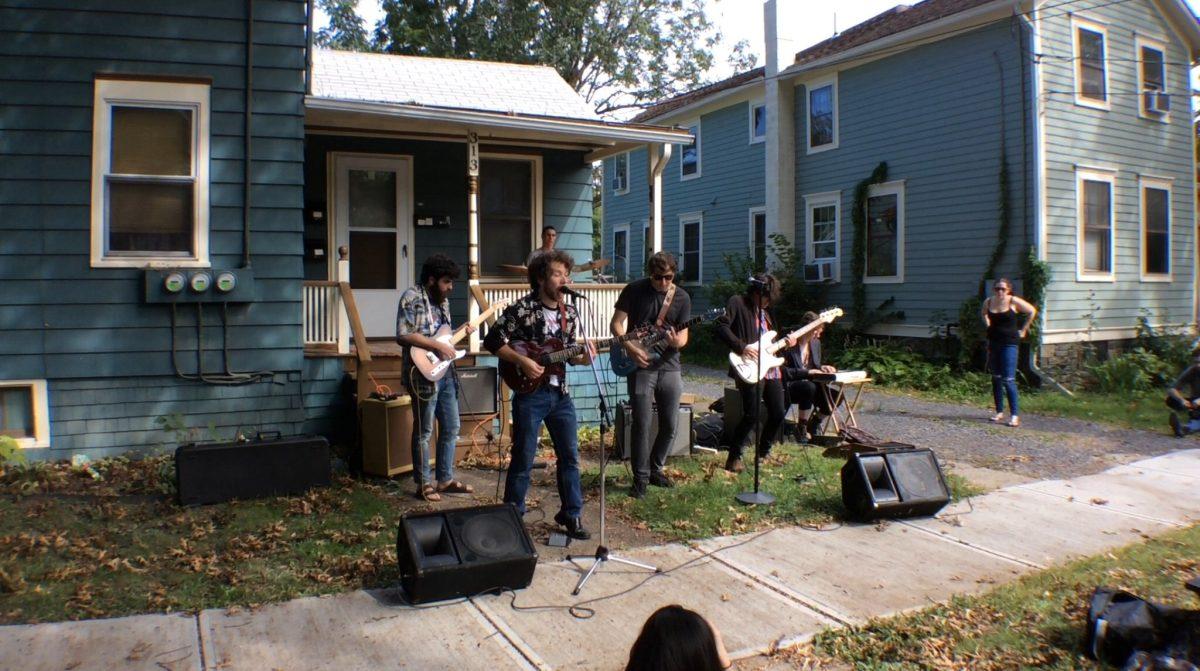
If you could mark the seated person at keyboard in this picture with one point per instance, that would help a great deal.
(800, 362)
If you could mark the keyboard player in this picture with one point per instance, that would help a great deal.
(802, 373)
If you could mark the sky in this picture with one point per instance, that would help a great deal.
(743, 19)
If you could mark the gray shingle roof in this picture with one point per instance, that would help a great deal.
(440, 82)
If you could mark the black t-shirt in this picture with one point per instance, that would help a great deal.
(1188, 382)
(642, 303)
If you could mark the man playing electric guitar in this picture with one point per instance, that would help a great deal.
(423, 310)
(655, 301)
(540, 316)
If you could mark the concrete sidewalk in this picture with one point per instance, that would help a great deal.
(764, 590)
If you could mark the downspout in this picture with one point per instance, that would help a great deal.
(308, 53)
(658, 163)
(246, 143)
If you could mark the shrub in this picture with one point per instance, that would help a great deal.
(893, 365)
(1129, 372)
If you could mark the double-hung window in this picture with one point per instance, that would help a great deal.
(647, 244)
(822, 230)
(620, 253)
(822, 116)
(885, 233)
(690, 251)
(758, 237)
(758, 122)
(689, 155)
(150, 151)
(1095, 207)
(1156, 229)
(510, 197)
(23, 412)
(1154, 102)
(1091, 69)
(620, 183)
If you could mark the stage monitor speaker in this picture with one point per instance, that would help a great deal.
(681, 446)
(216, 472)
(463, 552)
(893, 483)
(478, 393)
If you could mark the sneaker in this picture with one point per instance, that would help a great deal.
(638, 490)
(734, 464)
(1177, 426)
(998, 417)
(573, 525)
(660, 479)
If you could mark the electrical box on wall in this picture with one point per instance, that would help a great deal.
(200, 285)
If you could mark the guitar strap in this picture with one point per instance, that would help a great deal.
(662, 314)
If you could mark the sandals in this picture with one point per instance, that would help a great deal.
(1014, 422)
(455, 487)
(997, 418)
(426, 492)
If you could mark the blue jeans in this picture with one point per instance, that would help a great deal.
(444, 406)
(547, 404)
(1002, 361)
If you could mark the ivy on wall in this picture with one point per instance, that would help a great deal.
(858, 251)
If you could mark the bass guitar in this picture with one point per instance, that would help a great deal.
(748, 369)
(622, 364)
(431, 365)
(552, 356)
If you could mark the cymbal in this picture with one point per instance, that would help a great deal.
(591, 265)
(512, 268)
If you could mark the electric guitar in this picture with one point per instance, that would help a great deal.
(431, 364)
(749, 369)
(622, 364)
(552, 355)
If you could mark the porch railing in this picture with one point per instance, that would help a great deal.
(596, 311)
(325, 322)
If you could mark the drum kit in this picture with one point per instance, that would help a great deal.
(595, 266)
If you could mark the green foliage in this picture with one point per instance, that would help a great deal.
(1139, 369)
(1035, 276)
(858, 254)
(892, 365)
(176, 425)
(346, 29)
(617, 54)
(10, 452)
(971, 331)
(787, 264)
(1174, 349)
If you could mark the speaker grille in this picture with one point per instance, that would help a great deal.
(917, 475)
(490, 536)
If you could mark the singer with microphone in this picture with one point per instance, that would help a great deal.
(538, 317)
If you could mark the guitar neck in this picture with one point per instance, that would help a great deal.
(660, 335)
(573, 351)
(782, 342)
(474, 323)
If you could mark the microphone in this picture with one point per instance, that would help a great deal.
(568, 291)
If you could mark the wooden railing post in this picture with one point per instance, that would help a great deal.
(343, 319)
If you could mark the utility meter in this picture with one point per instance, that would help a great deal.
(174, 282)
(226, 281)
(200, 282)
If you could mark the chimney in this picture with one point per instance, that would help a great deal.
(778, 17)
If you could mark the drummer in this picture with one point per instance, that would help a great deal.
(549, 237)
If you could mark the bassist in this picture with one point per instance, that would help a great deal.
(657, 302)
(538, 317)
(423, 310)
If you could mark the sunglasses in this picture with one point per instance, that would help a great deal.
(1001, 287)
(659, 278)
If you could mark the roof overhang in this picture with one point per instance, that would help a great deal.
(600, 138)
(748, 91)
(1180, 16)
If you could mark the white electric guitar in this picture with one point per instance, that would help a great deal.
(749, 369)
(432, 366)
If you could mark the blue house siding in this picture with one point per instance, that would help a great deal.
(86, 330)
(1116, 139)
(939, 132)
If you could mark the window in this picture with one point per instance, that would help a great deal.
(1095, 193)
(885, 233)
(23, 412)
(509, 209)
(690, 263)
(647, 244)
(758, 122)
(620, 183)
(149, 199)
(823, 228)
(689, 155)
(1091, 73)
(1156, 229)
(1153, 102)
(822, 116)
(758, 237)
(620, 253)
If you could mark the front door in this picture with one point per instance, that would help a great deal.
(372, 217)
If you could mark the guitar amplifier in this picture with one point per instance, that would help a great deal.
(216, 472)
(680, 447)
(477, 390)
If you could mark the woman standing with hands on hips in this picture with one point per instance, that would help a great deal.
(1002, 315)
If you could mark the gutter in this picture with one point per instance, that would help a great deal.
(246, 142)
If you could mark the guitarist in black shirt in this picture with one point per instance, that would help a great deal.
(655, 301)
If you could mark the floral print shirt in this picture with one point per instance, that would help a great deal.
(525, 321)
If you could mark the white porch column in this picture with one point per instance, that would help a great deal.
(658, 154)
(473, 233)
(781, 133)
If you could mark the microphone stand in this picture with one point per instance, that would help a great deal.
(756, 497)
(602, 554)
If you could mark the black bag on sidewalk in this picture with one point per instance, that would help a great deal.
(1137, 635)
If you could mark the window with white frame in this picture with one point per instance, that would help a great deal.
(1156, 229)
(885, 233)
(620, 253)
(758, 237)
(690, 256)
(758, 122)
(1095, 206)
(647, 244)
(1152, 80)
(822, 116)
(620, 183)
(150, 151)
(510, 197)
(23, 412)
(1091, 70)
(689, 155)
(822, 229)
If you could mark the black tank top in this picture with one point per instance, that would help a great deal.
(1003, 328)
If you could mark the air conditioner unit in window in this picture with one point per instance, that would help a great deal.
(1157, 102)
(821, 271)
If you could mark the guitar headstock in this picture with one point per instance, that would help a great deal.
(829, 315)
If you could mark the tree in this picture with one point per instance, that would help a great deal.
(618, 54)
(346, 29)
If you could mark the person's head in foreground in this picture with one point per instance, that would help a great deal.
(677, 639)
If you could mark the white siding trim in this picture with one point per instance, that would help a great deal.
(41, 411)
(831, 81)
(699, 154)
(690, 218)
(889, 188)
(173, 95)
(1144, 183)
(754, 104)
(1109, 177)
(1076, 24)
(1058, 336)
(1140, 41)
(824, 199)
